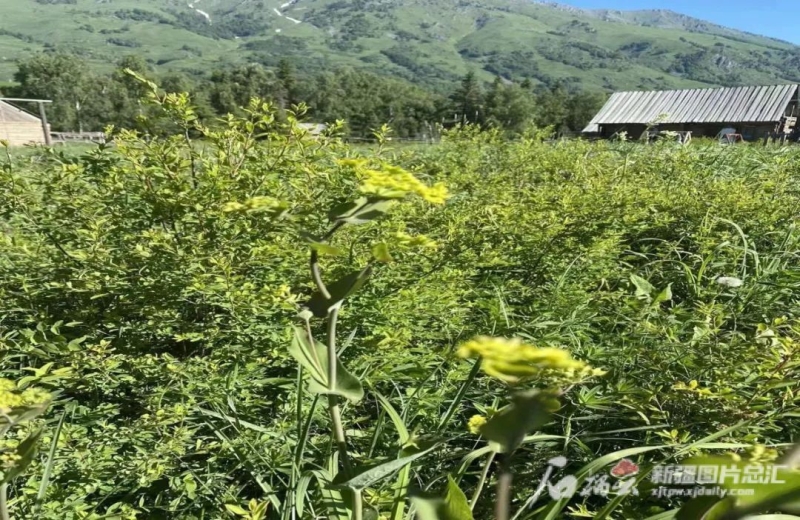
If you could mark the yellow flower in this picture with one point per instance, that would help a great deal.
(475, 423)
(761, 453)
(694, 387)
(9, 460)
(9, 401)
(233, 206)
(254, 204)
(7, 384)
(404, 239)
(35, 396)
(511, 360)
(353, 163)
(394, 182)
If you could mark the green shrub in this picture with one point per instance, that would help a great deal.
(156, 281)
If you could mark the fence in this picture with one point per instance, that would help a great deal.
(78, 137)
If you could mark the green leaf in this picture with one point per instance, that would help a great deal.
(666, 515)
(402, 430)
(528, 411)
(380, 252)
(300, 494)
(454, 505)
(315, 362)
(233, 508)
(665, 295)
(771, 494)
(773, 517)
(326, 249)
(26, 450)
(360, 211)
(704, 508)
(552, 511)
(643, 287)
(365, 476)
(338, 290)
(48, 468)
(333, 501)
(23, 414)
(321, 247)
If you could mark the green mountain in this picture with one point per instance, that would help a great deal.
(432, 42)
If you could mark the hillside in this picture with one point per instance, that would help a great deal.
(427, 41)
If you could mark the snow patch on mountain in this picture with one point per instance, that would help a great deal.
(283, 7)
(200, 12)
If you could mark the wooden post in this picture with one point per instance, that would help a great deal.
(45, 128)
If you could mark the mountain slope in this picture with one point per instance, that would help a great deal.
(427, 41)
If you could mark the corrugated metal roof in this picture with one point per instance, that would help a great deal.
(10, 113)
(764, 104)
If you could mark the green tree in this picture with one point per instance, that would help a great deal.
(63, 78)
(234, 87)
(467, 99)
(126, 92)
(367, 101)
(552, 108)
(287, 84)
(510, 107)
(581, 107)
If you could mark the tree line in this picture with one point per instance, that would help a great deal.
(85, 99)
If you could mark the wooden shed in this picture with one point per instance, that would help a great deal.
(19, 127)
(753, 112)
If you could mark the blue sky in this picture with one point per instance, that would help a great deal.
(776, 18)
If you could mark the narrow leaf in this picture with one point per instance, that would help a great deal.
(360, 211)
(25, 451)
(454, 505)
(365, 476)
(528, 411)
(338, 290)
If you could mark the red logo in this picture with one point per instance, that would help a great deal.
(625, 468)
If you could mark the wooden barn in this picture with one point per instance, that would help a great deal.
(750, 113)
(18, 127)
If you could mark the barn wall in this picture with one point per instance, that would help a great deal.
(750, 132)
(21, 133)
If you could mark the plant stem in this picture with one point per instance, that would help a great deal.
(536, 494)
(317, 275)
(333, 318)
(503, 505)
(484, 474)
(333, 400)
(358, 506)
(4, 502)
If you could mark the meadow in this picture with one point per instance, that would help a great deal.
(481, 308)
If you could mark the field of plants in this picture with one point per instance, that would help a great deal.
(485, 312)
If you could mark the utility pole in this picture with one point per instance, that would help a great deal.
(45, 128)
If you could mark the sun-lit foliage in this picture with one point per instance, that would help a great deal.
(160, 289)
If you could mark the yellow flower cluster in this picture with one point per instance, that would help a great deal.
(10, 398)
(761, 453)
(475, 423)
(404, 239)
(693, 386)
(511, 360)
(394, 183)
(254, 204)
(9, 460)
